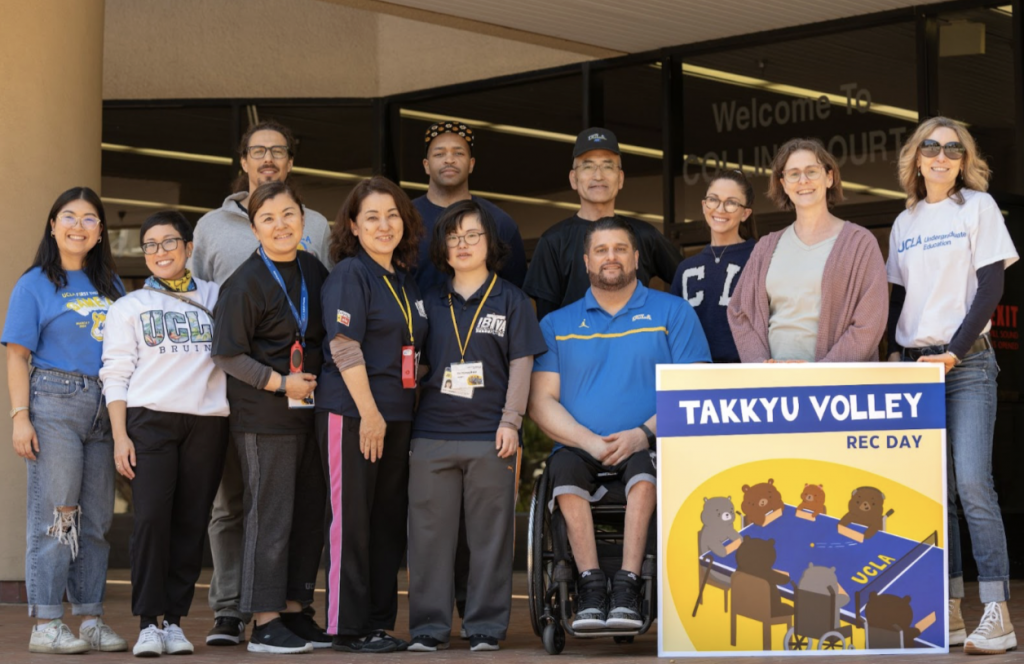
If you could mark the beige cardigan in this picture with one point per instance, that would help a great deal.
(854, 300)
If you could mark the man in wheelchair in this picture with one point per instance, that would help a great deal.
(593, 393)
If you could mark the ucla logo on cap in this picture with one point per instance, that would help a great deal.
(597, 138)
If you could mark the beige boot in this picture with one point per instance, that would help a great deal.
(957, 630)
(994, 635)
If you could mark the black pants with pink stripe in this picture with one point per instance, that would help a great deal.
(367, 510)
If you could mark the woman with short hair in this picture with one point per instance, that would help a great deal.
(816, 290)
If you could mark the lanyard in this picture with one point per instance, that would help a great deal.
(303, 318)
(406, 310)
(458, 338)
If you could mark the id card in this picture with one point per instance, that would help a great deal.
(409, 361)
(447, 387)
(302, 403)
(467, 374)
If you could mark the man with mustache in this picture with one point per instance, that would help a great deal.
(557, 274)
(593, 394)
(224, 240)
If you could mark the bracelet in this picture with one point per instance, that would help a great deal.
(17, 409)
(651, 438)
(956, 360)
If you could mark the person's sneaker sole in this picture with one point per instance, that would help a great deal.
(321, 645)
(278, 650)
(223, 640)
(958, 637)
(46, 650)
(993, 647)
(423, 647)
(623, 623)
(485, 647)
(588, 624)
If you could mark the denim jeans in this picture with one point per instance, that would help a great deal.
(970, 424)
(74, 467)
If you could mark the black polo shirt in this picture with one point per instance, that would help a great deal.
(358, 304)
(252, 317)
(558, 276)
(506, 330)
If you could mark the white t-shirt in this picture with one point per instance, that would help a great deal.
(793, 284)
(935, 250)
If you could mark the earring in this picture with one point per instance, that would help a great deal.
(919, 172)
(99, 240)
(52, 234)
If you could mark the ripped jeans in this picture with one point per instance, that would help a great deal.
(74, 467)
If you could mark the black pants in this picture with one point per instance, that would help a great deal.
(178, 462)
(367, 514)
(284, 519)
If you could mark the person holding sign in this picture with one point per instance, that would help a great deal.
(593, 394)
(465, 440)
(169, 437)
(376, 325)
(268, 342)
(816, 290)
(707, 280)
(947, 254)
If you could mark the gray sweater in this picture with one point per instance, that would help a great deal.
(224, 239)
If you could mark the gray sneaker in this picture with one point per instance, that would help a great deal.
(591, 600)
(56, 638)
(101, 637)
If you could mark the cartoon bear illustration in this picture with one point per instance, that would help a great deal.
(867, 505)
(818, 580)
(892, 613)
(759, 500)
(813, 499)
(756, 557)
(719, 519)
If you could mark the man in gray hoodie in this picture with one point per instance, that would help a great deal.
(223, 241)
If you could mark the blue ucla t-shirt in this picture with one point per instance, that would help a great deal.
(63, 328)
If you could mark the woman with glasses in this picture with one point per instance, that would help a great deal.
(708, 279)
(168, 411)
(947, 254)
(376, 324)
(269, 332)
(54, 338)
(465, 440)
(816, 290)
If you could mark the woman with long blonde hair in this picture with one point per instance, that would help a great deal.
(947, 253)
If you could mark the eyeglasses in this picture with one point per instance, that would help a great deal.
(170, 244)
(89, 221)
(954, 149)
(730, 204)
(811, 173)
(260, 151)
(589, 168)
(471, 238)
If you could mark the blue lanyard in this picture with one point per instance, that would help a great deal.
(303, 319)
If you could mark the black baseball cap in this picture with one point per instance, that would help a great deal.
(595, 138)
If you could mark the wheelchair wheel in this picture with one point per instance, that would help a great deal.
(832, 641)
(794, 641)
(538, 543)
(554, 638)
(623, 639)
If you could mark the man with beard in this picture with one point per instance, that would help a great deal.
(593, 394)
(224, 240)
(557, 275)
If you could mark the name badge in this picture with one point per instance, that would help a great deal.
(467, 374)
(296, 361)
(302, 403)
(447, 387)
(409, 361)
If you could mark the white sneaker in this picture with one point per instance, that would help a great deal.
(150, 643)
(101, 637)
(56, 638)
(175, 642)
(994, 635)
(957, 630)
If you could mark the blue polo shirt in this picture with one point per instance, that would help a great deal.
(358, 304)
(607, 363)
(506, 330)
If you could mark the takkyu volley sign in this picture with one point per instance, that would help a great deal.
(801, 507)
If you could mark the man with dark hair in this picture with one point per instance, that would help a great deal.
(557, 275)
(223, 241)
(593, 394)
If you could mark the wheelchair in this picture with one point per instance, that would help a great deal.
(552, 573)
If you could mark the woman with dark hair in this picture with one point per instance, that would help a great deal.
(268, 339)
(944, 292)
(707, 280)
(465, 439)
(168, 410)
(814, 291)
(54, 338)
(375, 325)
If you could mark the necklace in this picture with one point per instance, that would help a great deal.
(718, 257)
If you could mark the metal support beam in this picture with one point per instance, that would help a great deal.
(593, 97)
(927, 65)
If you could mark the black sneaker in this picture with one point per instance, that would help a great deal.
(274, 637)
(226, 632)
(347, 643)
(591, 600)
(424, 643)
(481, 643)
(379, 641)
(625, 613)
(303, 626)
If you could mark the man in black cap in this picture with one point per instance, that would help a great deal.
(557, 274)
(448, 163)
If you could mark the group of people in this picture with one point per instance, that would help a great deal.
(354, 394)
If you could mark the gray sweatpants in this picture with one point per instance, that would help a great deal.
(225, 531)
(442, 475)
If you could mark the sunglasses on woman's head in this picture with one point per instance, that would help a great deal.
(954, 149)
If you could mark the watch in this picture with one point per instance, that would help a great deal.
(651, 438)
(280, 391)
(17, 409)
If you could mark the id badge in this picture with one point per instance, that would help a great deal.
(448, 388)
(296, 360)
(409, 367)
(467, 374)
